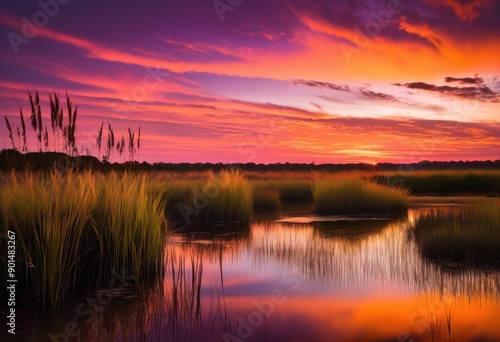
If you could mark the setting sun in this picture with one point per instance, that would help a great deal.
(400, 81)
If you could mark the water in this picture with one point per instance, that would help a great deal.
(299, 278)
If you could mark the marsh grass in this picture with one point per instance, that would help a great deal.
(181, 193)
(448, 182)
(74, 230)
(295, 190)
(129, 223)
(213, 198)
(470, 236)
(351, 195)
(266, 200)
(49, 215)
(231, 198)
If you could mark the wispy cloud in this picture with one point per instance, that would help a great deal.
(479, 92)
(465, 10)
(377, 96)
(321, 85)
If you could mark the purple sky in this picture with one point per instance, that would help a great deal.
(273, 81)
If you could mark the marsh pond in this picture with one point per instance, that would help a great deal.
(293, 277)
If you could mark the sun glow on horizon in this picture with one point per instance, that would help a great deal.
(421, 88)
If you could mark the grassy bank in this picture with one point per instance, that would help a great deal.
(466, 182)
(209, 198)
(74, 231)
(470, 236)
(266, 200)
(350, 195)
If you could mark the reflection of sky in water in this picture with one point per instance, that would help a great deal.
(352, 280)
(338, 280)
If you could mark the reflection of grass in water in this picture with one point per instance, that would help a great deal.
(175, 310)
(352, 231)
(374, 256)
(449, 311)
(349, 195)
(184, 290)
(440, 320)
(338, 260)
(434, 326)
(470, 235)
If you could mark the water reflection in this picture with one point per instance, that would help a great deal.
(323, 281)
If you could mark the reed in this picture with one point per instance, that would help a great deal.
(181, 192)
(49, 215)
(130, 225)
(295, 190)
(470, 236)
(75, 230)
(266, 200)
(450, 182)
(214, 198)
(352, 195)
(231, 198)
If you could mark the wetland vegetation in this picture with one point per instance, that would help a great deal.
(470, 236)
(80, 219)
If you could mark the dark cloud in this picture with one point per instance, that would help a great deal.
(322, 85)
(465, 80)
(479, 92)
(377, 96)
(331, 86)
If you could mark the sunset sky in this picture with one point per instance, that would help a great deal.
(263, 81)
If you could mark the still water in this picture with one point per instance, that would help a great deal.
(299, 278)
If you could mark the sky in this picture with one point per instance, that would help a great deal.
(240, 81)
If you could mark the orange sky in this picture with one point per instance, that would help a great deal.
(325, 81)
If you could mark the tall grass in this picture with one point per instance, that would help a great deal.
(350, 195)
(295, 190)
(129, 223)
(223, 197)
(470, 236)
(49, 216)
(233, 202)
(181, 192)
(74, 230)
(266, 200)
(449, 182)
